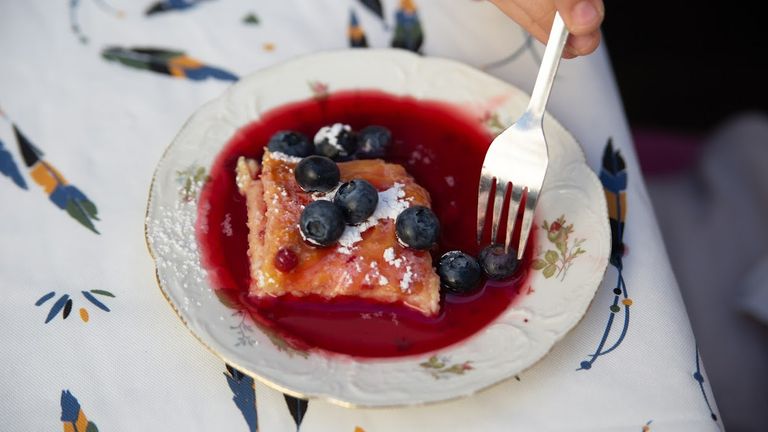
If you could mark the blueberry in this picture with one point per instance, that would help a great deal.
(291, 143)
(459, 273)
(321, 223)
(317, 174)
(357, 200)
(417, 227)
(373, 142)
(498, 264)
(337, 142)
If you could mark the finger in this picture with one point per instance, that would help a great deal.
(541, 15)
(584, 44)
(531, 15)
(581, 17)
(535, 16)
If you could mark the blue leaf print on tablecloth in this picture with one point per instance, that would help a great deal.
(408, 31)
(373, 6)
(297, 407)
(243, 395)
(357, 37)
(9, 168)
(613, 176)
(699, 377)
(165, 61)
(64, 195)
(88, 296)
(72, 415)
(65, 304)
(56, 307)
(171, 5)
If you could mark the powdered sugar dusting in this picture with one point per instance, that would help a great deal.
(331, 134)
(391, 204)
(283, 157)
(325, 196)
(389, 254)
(422, 155)
(350, 236)
(367, 316)
(246, 171)
(405, 284)
(389, 257)
(346, 280)
(375, 274)
(393, 318)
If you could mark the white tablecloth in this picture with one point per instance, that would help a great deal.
(105, 352)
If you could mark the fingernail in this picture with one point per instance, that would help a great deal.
(584, 13)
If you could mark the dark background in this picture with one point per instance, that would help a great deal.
(686, 66)
(683, 68)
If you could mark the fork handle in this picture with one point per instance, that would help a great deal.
(549, 63)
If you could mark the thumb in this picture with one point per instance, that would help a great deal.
(583, 19)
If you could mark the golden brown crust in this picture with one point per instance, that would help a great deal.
(376, 267)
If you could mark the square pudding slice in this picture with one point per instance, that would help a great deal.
(367, 262)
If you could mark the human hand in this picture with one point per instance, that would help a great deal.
(581, 17)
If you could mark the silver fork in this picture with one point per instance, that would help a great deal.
(519, 155)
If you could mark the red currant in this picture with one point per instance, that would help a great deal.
(286, 260)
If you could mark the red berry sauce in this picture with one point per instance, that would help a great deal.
(443, 148)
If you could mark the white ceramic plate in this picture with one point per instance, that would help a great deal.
(572, 251)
